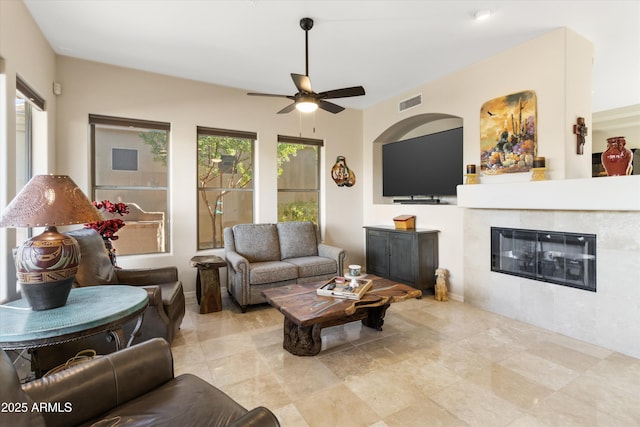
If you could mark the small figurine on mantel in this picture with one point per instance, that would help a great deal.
(441, 284)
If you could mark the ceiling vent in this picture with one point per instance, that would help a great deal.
(410, 103)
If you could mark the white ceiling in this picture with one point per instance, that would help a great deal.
(386, 46)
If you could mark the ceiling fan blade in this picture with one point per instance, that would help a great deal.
(289, 108)
(271, 94)
(342, 93)
(330, 106)
(302, 82)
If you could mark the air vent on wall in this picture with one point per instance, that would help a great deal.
(410, 103)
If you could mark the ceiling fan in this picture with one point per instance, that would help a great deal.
(306, 100)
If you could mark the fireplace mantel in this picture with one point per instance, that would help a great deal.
(612, 193)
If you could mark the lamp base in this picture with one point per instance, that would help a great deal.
(46, 267)
(45, 296)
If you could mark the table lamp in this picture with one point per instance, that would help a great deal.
(46, 264)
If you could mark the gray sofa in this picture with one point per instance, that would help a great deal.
(264, 256)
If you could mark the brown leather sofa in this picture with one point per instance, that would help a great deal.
(162, 318)
(132, 387)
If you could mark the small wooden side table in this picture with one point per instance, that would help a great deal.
(208, 282)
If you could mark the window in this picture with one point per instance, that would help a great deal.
(298, 179)
(130, 165)
(225, 183)
(28, 106)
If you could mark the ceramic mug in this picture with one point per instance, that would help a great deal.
(355, 270)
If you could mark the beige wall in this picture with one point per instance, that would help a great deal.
(557, 66)
(562, 83)
(94, 88)
(24, 52)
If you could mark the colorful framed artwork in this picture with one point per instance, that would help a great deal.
(508, 137)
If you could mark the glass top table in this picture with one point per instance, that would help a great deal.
(89, 311)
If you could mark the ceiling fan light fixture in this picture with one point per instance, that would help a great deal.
(306, 106)
(306, 100)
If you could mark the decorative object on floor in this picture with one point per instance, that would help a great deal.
(306, 100)
(107, 228)
(508, 133)
(46, 264)
(405, 222)
(581, 131)
(441, 284)
(341, 174)
(617, 159)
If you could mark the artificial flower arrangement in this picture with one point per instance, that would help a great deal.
(109, 227)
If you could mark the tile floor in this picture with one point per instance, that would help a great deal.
(434, 364)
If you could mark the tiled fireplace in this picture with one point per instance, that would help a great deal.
(608, 208)
(567, 259)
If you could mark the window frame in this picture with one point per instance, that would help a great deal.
(33, 103)
(319, 143)
(224, 133)
(123, 122)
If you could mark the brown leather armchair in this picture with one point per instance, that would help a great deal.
(162, 318)
(132, 387)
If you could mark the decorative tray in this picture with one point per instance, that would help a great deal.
(340, 287)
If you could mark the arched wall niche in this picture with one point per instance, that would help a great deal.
(418, 125)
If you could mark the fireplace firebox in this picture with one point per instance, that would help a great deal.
(567, 259)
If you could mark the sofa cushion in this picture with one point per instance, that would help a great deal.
(257, 242)
(95, 268)
(310, 266)
(297, 239)
(271, 272)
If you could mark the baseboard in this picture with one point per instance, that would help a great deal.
(456, 297)
(190, 297)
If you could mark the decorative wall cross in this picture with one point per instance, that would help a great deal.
(581, 131)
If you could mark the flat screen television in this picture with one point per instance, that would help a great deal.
(426, 166)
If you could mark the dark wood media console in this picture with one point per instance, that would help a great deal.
(406, 256)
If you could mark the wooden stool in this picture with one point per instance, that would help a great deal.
(208, 282)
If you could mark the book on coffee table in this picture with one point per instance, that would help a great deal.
(340, 287)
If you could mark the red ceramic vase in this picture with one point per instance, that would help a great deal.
(617, 158)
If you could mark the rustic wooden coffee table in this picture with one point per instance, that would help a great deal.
(306, 313)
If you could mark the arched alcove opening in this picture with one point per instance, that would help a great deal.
(418, 125)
